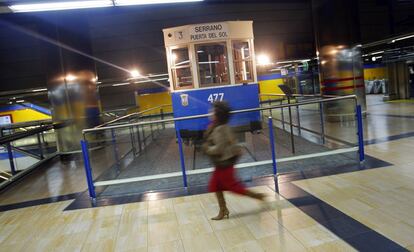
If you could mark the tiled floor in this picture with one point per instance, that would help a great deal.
(382, 199)
(177, 224)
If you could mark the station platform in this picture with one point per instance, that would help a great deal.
(328, 204)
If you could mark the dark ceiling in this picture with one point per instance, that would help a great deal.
(132, 36)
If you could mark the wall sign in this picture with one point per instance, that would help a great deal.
(5, 119)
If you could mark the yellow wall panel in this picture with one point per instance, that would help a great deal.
(25, 115)
(270, 87)
(153, 100)
(374, 73)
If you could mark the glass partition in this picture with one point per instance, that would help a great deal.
(212, 64)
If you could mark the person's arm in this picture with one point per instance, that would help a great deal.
(219, 142)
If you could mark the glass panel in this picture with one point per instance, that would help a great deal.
(212, 64)
(182, 78)
(181, 70)
(241, 50)
(243, 67)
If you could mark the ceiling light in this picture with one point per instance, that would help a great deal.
(144, 2)
(134, 73)
(156, 75)
(39, 90)
(263, 60)
(53, 6)
(379, 52)
(121, 84)
(70, 77)
(153, 80)
(19, 101)
(402, 38)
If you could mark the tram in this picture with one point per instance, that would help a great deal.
(212, 62)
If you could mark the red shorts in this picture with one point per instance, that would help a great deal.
(224, 179)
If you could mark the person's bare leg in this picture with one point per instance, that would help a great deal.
(223, 212)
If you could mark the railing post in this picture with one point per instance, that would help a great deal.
(270, 110)
(10, 154)
(143, 135)
(115, 147)
(322, 122)
(162, 118)
(298, 116)
(39, 143)
(283, 115)
(88, 169)
(132, 140)
(292, 138)
(272, 145)
(43, 137)
(180, 148)
(139, 140)
(152, 132)
(360, 134)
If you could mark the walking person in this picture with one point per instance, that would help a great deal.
(222, 148)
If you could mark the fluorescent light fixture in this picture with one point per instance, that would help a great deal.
(67, 5)
(121, 84)
(137, 82)
(154, 80)
(402, 38)
(157, 75)
(144, 2)
(19, 101)
(379, 52)
(39, 90)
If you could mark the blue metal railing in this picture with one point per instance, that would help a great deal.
(180, 149)
(272, 145)
(85, 149)
(360, 133)
(88, 169)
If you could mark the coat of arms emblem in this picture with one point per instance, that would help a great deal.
(184, 100)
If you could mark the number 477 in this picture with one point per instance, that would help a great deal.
(215, 97)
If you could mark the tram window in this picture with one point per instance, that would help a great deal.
(243, 62)
(181, 69)
(212, 64)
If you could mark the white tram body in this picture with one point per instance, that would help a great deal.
(210, 62)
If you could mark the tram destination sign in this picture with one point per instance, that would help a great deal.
(209, 32)
(202, 32)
